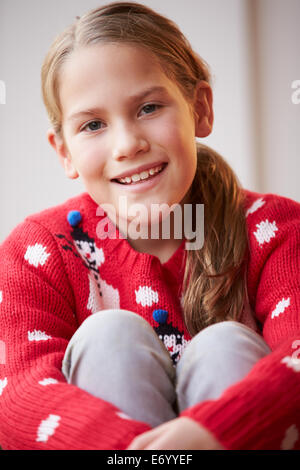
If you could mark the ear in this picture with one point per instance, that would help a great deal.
(203, 109)
(57, 142)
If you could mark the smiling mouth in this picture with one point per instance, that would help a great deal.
(141, 177)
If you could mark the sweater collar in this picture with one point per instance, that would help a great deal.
(121, 253)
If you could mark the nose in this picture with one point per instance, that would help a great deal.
(128, 141)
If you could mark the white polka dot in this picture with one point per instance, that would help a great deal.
(1, 296)
(48, 381)
(47, 428)
(3, 384)
(291, 436)
(256, 205)
(292, 363)
(265, 231)
(36, 255)
(38, 335)
(146, 296)
(280, 307)
(123, 415)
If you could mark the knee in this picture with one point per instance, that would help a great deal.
(109, 318)
(232, 334)
(109, 325)
(226, 332)
(122, 335)
(102, 333)
(227, 339)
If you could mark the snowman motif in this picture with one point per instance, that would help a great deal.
(171, 336)
(101, 295)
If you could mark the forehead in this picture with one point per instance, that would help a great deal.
(110, 70)
(111, 56)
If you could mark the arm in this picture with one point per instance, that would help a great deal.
(263, 410)
(38, 408)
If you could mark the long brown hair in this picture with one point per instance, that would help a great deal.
(214, 284)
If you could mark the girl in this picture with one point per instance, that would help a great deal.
(133, 342)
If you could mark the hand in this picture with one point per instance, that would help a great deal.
(178, 434)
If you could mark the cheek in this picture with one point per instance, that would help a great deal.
(176, 134)
(88, 158)
(166, 130)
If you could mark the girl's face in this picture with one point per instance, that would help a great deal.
(120, 114)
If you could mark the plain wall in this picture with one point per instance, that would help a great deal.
(277, 117)
(251, 47)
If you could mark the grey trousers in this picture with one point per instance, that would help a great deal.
(117, 356)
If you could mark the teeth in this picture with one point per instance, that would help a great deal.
(141, 176)
(135, 178)
(144, 175)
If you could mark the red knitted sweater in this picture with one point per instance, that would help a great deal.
(53, 275)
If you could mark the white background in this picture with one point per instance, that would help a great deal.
(252, 47)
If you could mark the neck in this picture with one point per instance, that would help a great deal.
(163, 249)
(161, 240)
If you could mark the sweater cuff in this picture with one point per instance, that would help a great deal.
(237, 425)
(223, 422)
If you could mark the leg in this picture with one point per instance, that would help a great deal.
(117, 356)
(217, 357)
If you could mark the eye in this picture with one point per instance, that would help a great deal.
(92, 126)
(150, 108)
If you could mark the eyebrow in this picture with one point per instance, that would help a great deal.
(131, 99)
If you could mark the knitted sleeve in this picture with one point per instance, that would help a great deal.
(38, 408)
(262, 411)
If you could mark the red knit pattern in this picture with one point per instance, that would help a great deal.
(53, 276)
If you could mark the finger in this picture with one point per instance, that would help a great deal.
(164, 442)
(144, 439)
(137, 444)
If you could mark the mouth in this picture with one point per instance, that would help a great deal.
(140, 178)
